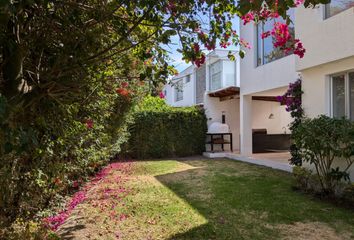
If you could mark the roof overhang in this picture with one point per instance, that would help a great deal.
(225, 92)
(267, 99)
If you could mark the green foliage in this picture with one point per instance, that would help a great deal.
(321, 142)
(46, 148)
(163, 131)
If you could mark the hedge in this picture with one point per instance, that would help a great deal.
(162, 131)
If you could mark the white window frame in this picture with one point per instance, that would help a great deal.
(220, 72)
(179, 90)
(347, 102)
(326, 11)
(262, 45)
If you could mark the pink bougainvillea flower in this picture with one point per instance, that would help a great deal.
(265, 34)
(248, 17)
(244, 43)
(281, 34)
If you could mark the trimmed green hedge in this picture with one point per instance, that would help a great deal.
(162, 131)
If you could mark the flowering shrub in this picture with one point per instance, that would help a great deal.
(292, 99)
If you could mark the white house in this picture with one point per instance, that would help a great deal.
(215, 86)
(245, 91)
(180, 92)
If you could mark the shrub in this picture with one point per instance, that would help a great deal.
(162, 131)
(47, 147)
(293, 101)
(322, 141)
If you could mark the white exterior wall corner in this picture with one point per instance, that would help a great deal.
(261, 80)
(329, 45)
(325, 40)
(316, 86)
(253, 78)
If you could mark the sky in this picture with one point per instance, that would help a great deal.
(176, 57)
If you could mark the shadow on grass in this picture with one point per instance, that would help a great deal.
(244, 201)
(67, 232)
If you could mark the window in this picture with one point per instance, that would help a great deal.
(265, 49)
(343, 95)
(179, 91)
(337, 6)
(188, 78)
(215, 76)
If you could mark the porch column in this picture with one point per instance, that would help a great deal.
(246, 124)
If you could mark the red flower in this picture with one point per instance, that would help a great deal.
(125, 84)
(122, 91)
(89, 123)
(162, 95)
(75, 184)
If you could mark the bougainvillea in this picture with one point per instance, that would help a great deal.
(55, 221)
(280, 33)
(293, 101)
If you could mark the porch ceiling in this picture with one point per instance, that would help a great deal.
(267, 99)
(225, 92)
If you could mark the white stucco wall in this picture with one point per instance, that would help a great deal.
(213, 110)
(276, 125)
(316, 88)
(253, 78)
(325, 40)
(270, 79)
(316, 85)
(329, 47)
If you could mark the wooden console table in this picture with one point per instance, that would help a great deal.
(220, 140)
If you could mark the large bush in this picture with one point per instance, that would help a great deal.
(322, 141)
(163, 131)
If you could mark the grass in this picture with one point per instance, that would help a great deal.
(206, 199)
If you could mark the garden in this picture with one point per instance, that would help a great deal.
(196, 198)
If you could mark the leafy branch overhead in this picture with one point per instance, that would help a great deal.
(50, 41)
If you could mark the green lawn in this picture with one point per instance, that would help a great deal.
(206, 199)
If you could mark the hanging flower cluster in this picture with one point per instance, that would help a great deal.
(280, 32)
(292, 99)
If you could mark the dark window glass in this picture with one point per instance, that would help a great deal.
(266, 52)
(351, 92)
(338, 91)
